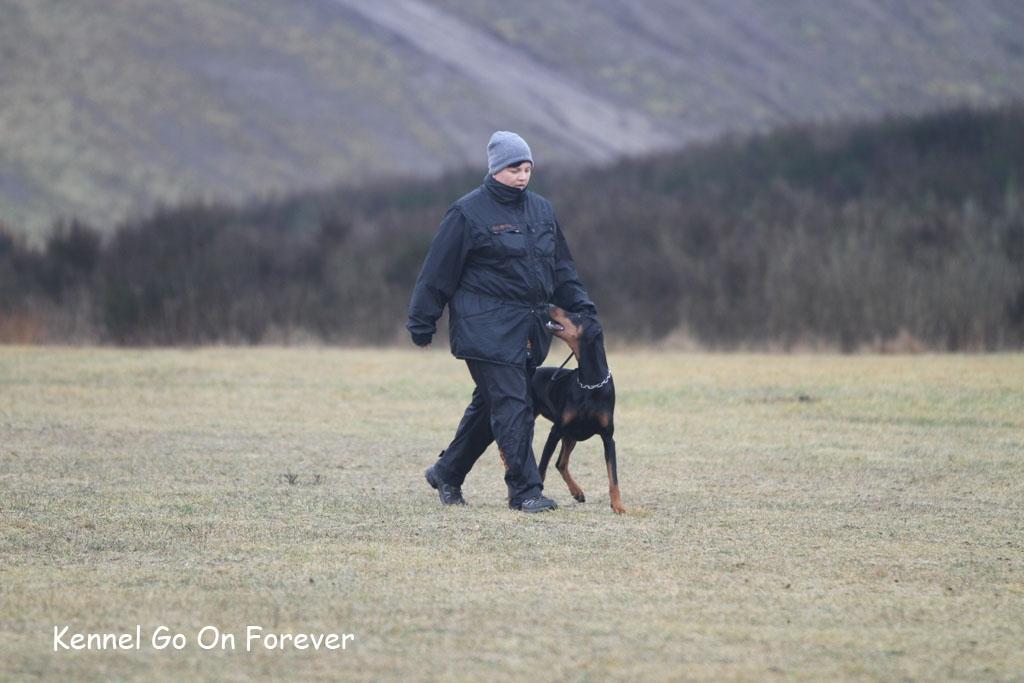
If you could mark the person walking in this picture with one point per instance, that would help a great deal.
(498, 261)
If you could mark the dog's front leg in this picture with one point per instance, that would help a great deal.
(613, 474)
(562, 465)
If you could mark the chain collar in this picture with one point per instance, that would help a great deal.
(593, 386)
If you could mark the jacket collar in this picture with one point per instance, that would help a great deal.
(504, 194)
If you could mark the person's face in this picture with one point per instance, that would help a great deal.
(515, 176)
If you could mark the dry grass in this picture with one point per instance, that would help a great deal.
(806, 517)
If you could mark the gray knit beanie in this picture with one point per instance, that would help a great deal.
(506, 149)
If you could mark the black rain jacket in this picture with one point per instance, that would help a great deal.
(497, 261)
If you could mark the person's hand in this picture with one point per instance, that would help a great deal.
(422, 340)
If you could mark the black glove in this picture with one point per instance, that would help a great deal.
(421, 339)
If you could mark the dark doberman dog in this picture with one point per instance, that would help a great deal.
(579, 402)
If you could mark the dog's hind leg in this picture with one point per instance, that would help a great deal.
(562, 464)
(549, 448)
(613, 474)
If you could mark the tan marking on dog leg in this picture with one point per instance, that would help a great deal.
(501, 454)
(562, 465)
(613, 494)
(604, 419)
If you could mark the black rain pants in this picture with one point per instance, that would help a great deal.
(501, 410)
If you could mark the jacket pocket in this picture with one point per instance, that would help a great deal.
(508, 239)
(498, 335)
(545, 242)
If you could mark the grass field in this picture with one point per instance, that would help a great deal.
(791, 517)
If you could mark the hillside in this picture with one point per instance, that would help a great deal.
(110, 108)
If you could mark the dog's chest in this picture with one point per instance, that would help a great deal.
(582, 427)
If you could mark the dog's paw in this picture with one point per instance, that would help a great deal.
(580, 498)
(619, 508)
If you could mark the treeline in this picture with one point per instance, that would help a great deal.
(906, 233)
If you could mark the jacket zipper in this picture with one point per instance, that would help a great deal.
(532, 256)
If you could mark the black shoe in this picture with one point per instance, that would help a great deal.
(539, 504)
(450, 495)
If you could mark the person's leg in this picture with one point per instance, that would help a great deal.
(472, 438)
(505, 390)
